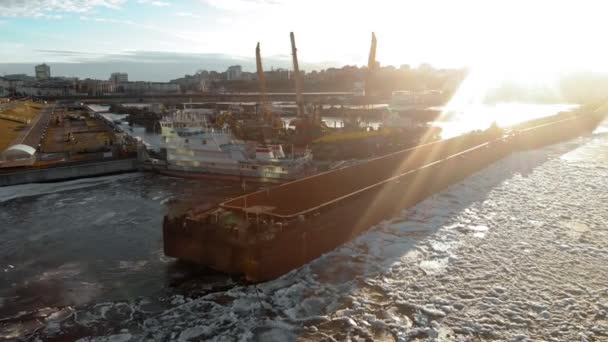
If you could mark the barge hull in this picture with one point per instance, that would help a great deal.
(221, 177)
(268, 241)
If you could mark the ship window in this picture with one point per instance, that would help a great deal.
(204, 142)
(187, 141)
(254, 167)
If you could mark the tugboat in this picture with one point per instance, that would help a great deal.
(195, 149)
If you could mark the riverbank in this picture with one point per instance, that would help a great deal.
(61, 173)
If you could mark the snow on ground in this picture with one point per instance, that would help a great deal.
(516, 252)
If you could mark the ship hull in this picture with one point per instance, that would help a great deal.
(304, 241)
(222, 177)
(289, 242)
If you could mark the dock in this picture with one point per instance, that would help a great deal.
(62, 143)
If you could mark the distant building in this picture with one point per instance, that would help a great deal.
(43, 72)
(277, 74)
(234, 73)
(140, 87)
(159, 87)
(4, 85)
(18, 80)
(119, 77)
(95, 87)
(18, 77)
(50, 90)
(205, 85)
(249, 76)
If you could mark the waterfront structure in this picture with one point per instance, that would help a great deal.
(43, 72)
(119, 77)
(18, 152)
(234, 73)
(403, 100)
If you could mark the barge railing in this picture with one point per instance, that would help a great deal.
(399, 164)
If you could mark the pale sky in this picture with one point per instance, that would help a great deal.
(513, 34)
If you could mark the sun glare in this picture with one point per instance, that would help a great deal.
(468, 109)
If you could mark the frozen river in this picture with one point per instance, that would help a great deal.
(518, 251)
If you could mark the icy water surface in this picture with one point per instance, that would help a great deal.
(517, 252)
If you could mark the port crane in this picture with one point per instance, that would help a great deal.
(308, 125)
(371, 67)
(267, 116)
(297, 76)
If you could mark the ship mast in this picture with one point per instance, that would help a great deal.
(297, 76)
(262, 83)
(371, 66)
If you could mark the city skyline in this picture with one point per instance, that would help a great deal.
(155, 67)
(441, 33)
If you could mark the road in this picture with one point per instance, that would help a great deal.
(33, 134)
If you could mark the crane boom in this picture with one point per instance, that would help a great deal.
(297, 75)
(262, 83)
(371, 66)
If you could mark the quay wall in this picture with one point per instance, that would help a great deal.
(69, 172)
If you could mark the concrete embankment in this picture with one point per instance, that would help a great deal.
(69, 172)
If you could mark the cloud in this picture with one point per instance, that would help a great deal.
(70, 54)
(157, 3)
(211, 61)
(143, 65)
(243, 5)
(187, 14)
(52, 9)
(107, 20)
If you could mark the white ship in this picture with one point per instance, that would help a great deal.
(195, 149)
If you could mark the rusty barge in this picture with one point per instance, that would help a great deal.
(267, 233)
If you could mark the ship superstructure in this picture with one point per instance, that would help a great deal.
(195, 148)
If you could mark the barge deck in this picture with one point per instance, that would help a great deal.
(267, 233)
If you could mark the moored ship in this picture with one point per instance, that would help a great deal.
(265, 234)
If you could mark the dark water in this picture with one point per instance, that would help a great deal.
(90, 241)
(517, 251)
